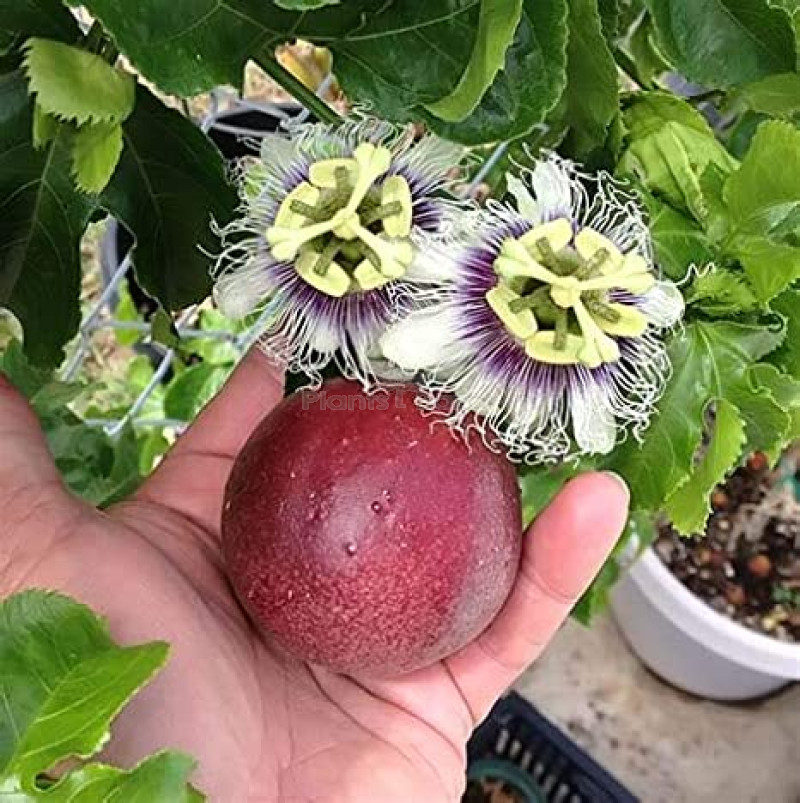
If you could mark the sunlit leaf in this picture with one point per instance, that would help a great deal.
(75, 85)
(496, 25)
(96, 148)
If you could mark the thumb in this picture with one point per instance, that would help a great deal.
(26, 467)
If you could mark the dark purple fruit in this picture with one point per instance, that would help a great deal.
(363, 536)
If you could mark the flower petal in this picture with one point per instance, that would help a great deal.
(238, 294)
(554, 189)
(526, 205)
(422, 340)
(593, 422)
(432, 263)
(663, 304)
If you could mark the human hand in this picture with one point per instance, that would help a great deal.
(262, 725)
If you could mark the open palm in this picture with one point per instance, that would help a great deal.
(263, 726)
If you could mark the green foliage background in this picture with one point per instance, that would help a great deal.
(695, 102)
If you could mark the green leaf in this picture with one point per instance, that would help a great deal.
(496, 25)
(792, 7)
(776, 95)
(527, 87)
(26, 378)
(39, 18)
(96, 148)
(123, 475)
(787, 357)
(154, 445)
(610, 16)
(785, 389)
(679, 242)
(720, 293)
(688, 507)
(762, 209)
(394, 55)
(770, 266)
(75, 85)
(639, 530)
(595, 599)
(215, 350)
(715, 219)
(591, 100)
(406, 54)
(62, 681)
(43, 219)
(710, 361)
(670, 145)
(92, 465)
(193, 389)
(45, 127)
(305, 5)
(163, 330)
(158, 779)
(760, 198)
(722, 43)
(168, 186)
(649, 61)
(126, 311)
(740, 135)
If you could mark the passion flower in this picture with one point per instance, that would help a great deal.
(550, 322)
(331, 219)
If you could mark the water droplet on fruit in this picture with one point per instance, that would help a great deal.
(350, 548)
(345, 441)
(312, 495)
(228, 505)
(289, 594)
(292, 475)
(387, 495)
(376, 507)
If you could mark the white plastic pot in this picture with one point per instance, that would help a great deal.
(692, 646)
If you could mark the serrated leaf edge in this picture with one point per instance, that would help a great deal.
(75, 170)
(34, 90)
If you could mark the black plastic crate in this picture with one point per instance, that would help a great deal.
(515, 732)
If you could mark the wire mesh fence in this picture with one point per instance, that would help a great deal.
(228, 115)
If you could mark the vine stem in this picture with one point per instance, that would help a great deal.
(297, 89)
(705, 97)
(628, 66)
(96, 41)
(94, 37)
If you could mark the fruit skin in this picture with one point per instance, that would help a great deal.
(373, 542)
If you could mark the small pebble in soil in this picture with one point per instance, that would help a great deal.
(759, 566)
(747, 565)
(757, 462)
(719, 500)
(735, 595)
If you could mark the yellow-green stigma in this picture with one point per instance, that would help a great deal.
(552, 293)
(347, 228)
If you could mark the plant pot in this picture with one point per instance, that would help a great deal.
(690, 645)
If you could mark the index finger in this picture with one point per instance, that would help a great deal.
(564, 549)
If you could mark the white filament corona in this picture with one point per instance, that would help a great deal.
(312, 317)
(539, 394)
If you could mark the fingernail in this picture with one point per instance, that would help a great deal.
(622, 484)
